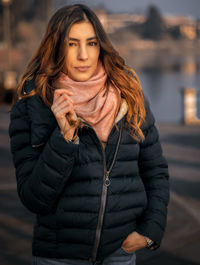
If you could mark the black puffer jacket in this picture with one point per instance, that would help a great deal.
(80, 214)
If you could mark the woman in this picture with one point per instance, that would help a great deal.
(86, 150)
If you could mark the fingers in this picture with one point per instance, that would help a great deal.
(60, 99)
(131, 250)
(62, 112)
(58, 107)
(60, 92)
(61, 108)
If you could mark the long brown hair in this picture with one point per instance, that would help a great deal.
(49, 60)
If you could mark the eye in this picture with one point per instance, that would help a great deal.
(71, 44)
(93, 43)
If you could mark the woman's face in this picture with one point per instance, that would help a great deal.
(82, 52)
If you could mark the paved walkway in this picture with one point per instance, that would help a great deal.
(181, 244)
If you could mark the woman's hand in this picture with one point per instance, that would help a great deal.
(133, 242)
(63, 110)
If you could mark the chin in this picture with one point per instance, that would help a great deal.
(81, 78)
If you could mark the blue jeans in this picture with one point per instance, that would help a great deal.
(119, 257)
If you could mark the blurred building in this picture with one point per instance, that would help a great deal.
(186, 26)
(183, 25)
(28, 23)
(113, 22)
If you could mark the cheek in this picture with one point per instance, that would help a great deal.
(69, 58)
(98, 53)
(96, 56)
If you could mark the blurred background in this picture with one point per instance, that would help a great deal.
(160, 40)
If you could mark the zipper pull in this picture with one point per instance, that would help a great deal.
(107, 180)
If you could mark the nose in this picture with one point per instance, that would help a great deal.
(82, 53)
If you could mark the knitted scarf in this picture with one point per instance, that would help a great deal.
(95, 101)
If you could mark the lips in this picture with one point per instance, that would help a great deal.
(82, 68)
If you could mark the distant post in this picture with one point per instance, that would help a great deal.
(49, 9)
(6, 29)
(190, 106)
(10, 77)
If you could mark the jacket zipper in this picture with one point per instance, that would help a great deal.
(106, 184)
(37, 145)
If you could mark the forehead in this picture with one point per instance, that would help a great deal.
(82, 30)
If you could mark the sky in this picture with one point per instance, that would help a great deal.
(173, 7)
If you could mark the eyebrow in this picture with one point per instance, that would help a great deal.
(91, 38)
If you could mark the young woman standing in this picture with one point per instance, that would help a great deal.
(86, 150)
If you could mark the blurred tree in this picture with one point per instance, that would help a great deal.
(154, 26)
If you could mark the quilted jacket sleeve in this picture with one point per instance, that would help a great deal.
(154, 173)
(41, 172)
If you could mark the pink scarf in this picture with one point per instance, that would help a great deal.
(94, 100)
